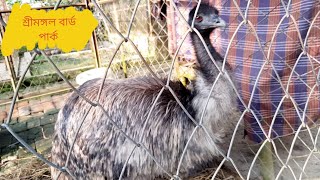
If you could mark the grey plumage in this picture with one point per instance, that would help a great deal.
(100, 150)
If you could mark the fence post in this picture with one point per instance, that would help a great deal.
(9, 60)
(94, 43)
(10, 66)
(149, 17)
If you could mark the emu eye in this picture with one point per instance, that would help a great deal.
(199, 18)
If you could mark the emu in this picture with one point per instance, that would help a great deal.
(100, 150)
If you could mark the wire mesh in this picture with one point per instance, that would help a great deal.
(294, 153)
(149, 34)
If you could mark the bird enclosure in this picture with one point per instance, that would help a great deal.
(273, 51)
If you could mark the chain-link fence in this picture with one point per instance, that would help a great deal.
(272, 49)
(41, 78)
(147, 31)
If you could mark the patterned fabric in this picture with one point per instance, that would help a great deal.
(289, 69)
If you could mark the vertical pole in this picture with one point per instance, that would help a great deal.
(94, 43)
(10, 67)
(9, 61)
(149, 17)
(95, 49)
(173, 24)
(150, 35)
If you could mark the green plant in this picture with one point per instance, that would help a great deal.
(12, 2)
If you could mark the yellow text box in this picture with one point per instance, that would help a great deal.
(66, 29)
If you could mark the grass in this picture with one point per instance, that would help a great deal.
(41, 66)
(33, 168)
(25, 168)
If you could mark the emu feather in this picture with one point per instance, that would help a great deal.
(100, 150)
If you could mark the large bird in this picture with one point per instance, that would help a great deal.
(101, 150)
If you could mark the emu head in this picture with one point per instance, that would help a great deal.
(207, 18)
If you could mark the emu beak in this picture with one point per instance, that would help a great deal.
(214, 21)
(218, 22)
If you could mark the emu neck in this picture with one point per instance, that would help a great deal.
(206, 68)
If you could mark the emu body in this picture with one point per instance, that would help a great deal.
(100, 150)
